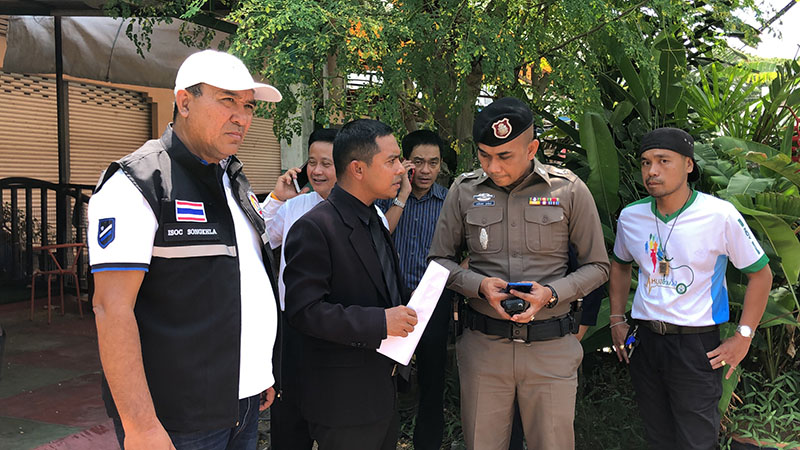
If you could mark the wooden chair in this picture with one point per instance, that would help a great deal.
(72, 250)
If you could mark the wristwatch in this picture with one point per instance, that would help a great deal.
(398, 203)
(744, 330)
(553, 297)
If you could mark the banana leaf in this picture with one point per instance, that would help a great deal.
(744, 183)
(731, 145)
(787, 207)
(672, 65)
(779, 163)
(621, 112)
(775, 313)
(629, 73)
(729, 384)
(601, 153)
(779, 235)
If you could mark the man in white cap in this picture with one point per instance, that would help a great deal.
(184, 300)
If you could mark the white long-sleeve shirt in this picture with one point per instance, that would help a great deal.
(279, 217)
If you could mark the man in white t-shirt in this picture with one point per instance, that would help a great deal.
(681, 240)
(185, 304)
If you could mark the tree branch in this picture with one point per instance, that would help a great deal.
(591, 31)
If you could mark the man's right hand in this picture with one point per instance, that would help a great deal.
(405, 183)
(284, 187)
(400, 321)
(154, 437)
(493, 290)
(618, 335)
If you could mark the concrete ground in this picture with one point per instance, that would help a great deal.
(50, 381)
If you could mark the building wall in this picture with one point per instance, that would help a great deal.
(107, 121)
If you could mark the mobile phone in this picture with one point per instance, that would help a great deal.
(302, 178)
(521, 287)
(411, 175)
(513, 305)
(631, 340)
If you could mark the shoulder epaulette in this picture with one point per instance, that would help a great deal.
(560, 172)
(468, 175)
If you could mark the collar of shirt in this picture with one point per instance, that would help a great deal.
(436, 190)
(182, 154)
(361, 210)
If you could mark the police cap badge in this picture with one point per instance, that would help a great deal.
(501, 121)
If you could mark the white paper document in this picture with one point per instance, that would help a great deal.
(423, 302)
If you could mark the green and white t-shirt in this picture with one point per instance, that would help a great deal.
(682, 258)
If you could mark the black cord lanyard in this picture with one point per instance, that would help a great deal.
(663, 266)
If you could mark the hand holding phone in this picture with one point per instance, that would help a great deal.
(521, 287)
(302, 178)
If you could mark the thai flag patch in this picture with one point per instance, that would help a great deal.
(189, 211)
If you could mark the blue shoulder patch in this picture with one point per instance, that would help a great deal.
(106, 232)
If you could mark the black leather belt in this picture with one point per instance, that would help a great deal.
(662, 328)
(539, 330)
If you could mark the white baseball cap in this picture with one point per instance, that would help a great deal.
(224, 71)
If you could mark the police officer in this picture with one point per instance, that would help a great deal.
(516, 218)
(184, 303)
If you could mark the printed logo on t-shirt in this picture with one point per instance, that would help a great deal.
(186, 211)
(666, 273)
(105, 231)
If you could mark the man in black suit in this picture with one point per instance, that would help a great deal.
(344, 295)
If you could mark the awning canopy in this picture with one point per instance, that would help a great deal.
(98, 48)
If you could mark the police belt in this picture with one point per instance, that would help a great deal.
(539, 330)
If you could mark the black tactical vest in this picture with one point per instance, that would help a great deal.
(188, 308)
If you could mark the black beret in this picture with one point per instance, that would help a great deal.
(501, 122)
(671, 139)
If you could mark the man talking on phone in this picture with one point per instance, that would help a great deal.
(412, 217)
(516, 218)
(289, 201)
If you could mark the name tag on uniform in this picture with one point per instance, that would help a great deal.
(190, 232)
(544, 201)
(483, 199)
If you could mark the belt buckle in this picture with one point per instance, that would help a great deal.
(519, 332)
(659, 327)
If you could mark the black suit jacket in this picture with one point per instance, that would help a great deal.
(336, 297)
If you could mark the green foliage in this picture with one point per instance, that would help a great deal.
(422, 63)
(605, 391)
(769, 411)
(603, 180)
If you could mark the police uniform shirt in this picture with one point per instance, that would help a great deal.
(125, 242)
(521, 235)
(682, 258)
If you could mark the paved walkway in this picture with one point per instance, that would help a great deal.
(50, 381)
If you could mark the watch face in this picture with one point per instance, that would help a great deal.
(745, 331)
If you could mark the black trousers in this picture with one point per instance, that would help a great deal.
(375, 436)
(431, 363)
(677, 390)
(288, 428)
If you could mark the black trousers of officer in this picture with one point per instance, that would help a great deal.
(677, 390)
(288, 428)
(431, 363)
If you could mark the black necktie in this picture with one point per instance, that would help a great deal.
(387, 262)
